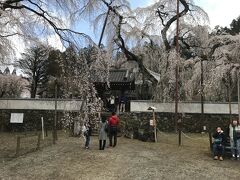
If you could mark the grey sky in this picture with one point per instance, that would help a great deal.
(220, 12)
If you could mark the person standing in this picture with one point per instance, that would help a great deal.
(219, 140)
(86, 130)
(112, 103)
(234, 134)
(113, 123)
(122, 103)
(103, 127)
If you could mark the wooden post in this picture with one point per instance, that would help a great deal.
(155, 126)
(229, 96)
(177, 71)
(18, 146)
(179, 136)
(38, 141)
(238, 99)
(179, 132)
(55, 116)
(1, 124)
(46, 131)
(202, 87)
(176, 99)
(177, 123)
(230, 105)
(210, 139)
(42, 128)
(202, 106)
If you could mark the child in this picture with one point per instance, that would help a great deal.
(86, 130)
(218, 144)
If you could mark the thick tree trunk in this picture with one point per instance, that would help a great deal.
(103, 29)
(33, 90)
(121, 44)
(169, 23)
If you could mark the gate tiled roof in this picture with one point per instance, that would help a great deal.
(120, 75)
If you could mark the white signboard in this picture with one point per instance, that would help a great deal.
(151, 122)
(16, 118)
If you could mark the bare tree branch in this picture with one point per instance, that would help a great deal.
(65, 34)
(121, 43)
(9, 35)
(170, 21)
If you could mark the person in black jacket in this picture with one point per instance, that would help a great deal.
(219, 140)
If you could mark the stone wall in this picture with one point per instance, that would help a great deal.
(131, 122)
(135, 123)
(31, 120)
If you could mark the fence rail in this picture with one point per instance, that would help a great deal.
(26, 136)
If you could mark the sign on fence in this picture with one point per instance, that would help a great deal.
(151, 122)
(16, 118)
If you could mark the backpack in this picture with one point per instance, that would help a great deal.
(106, 128)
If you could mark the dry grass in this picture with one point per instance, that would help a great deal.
(28, 143)
(131, 159)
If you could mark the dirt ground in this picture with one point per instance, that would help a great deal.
(131, 159)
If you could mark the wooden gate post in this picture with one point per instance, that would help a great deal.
(38, 141)
(18, 146)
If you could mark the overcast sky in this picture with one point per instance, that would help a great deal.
(220, 12)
